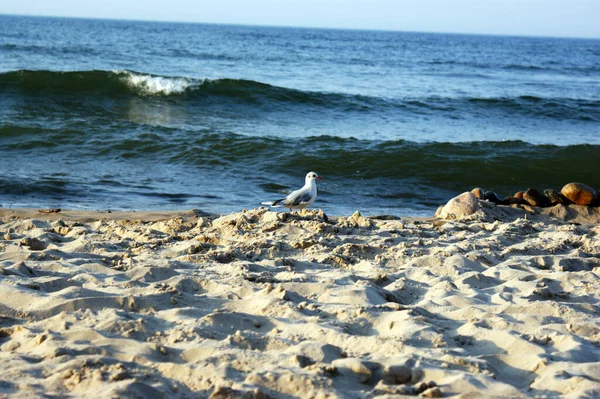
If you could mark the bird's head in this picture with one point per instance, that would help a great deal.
(312, 176)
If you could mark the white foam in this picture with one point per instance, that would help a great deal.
(156, 85)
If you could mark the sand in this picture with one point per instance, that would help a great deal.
(503, 303)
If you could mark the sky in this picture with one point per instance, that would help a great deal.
(561, 18)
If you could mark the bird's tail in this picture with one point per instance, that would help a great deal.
(273, 203)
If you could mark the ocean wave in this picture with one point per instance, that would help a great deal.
(437, 164)
(252, 93)
(427, 173)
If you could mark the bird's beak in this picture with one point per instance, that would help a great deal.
(319, 178)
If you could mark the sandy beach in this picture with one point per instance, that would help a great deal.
(503, 303)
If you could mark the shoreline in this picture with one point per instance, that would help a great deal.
(501, 303)
(505, 213)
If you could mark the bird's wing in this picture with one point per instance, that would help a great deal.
(297, 197)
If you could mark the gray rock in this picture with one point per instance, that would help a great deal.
(462, 205)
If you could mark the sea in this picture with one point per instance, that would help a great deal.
(128, 115)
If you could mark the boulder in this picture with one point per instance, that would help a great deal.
(479, 193)
(514, 200)
(555, 198)
(462, 205)
(535, 198)
(580, 194)
(493, 197)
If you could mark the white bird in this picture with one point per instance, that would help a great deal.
(301, 198)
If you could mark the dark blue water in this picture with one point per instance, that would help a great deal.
(102, 114)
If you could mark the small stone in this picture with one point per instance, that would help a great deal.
(580, 194)
(535, 198)
(492, 197)
(555, 198)
(301, 361)
(34, 244)
(479, 193)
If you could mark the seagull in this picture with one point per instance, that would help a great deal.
(301, 198)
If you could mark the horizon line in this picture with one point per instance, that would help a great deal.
(258, 25)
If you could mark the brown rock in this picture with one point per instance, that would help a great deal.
(478, 192)
(513, 200)
(519, 194)
(535, 198)
(580, 194)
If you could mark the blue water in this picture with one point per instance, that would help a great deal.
(100, 114)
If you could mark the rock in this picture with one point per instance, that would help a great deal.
(555, 198)
(301, 361)
(535, 198)
(580, 194)
(492, 197)
(34, 244)
(519, 195)
(464, 204)
(513, 200)
(479, 193)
